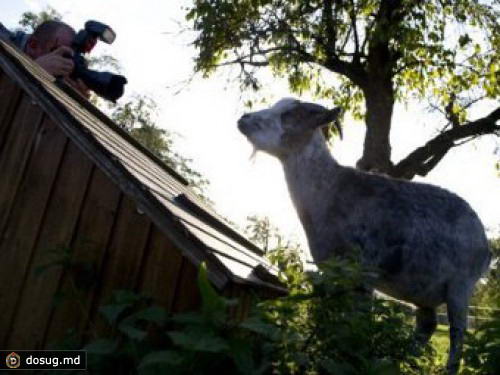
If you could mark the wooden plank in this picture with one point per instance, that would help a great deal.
(233, 293)
(123, 257)
(187, 295)
(15, 155)
(32, 84)
(91, 239)
(22, 229)
(61, 217)
(160, 270)
(10, 96)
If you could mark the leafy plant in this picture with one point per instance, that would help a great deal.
(482, 348)
(327, 325)
(365, 56)
(144, 340)
(331, 325)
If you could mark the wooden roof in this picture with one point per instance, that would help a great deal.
(158, 190)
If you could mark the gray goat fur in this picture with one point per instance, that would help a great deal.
(428, 244)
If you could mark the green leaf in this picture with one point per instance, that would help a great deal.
(464, 39)
(101, 347)
(213, 305)
(165, 357)
(132, 332)
(190, 318)
(242, 354)
(112, 312)
(199, 342)
(152, 314)
(336, 368)
(256, 325)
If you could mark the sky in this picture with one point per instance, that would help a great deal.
(154, 50)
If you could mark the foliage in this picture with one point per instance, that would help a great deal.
(29, 20)
(144, 340)
(482, 348)
(379, 51)
(330, 325)
(262, 232)
(323, 327)
(295, 38)
(488, 293)
(138, 117)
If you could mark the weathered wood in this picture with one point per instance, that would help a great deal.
(160, 270)
(109, 203)
(187, 294)
(10, 96)
(78, 130)
(123, 256)
(93, 234)
(62, 212)
(23, 227)
(15, 155)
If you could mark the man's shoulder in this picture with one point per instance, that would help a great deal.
(4, 32)
(18, 38)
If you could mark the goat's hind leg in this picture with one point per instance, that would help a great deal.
(426, 318)
(426, 323)
(457, 303)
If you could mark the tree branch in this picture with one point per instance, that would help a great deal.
(355, 31)
(424, 159)
(331, 32)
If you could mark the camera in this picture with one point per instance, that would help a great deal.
(105, 84)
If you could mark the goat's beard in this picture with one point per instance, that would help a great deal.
(253, 155)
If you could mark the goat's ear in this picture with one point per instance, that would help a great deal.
(321, 116)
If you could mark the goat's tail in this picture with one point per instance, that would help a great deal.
(488, 264)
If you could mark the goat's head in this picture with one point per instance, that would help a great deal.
(286, 126)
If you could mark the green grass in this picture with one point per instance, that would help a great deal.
(440, 342)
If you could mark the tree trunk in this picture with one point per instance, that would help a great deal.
(379, 99)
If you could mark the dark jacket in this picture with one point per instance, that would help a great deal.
(18, 38)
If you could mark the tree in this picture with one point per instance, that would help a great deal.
(381, 52)
(30, 20)
(263, 233)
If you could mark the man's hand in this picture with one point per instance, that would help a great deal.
(58, 62)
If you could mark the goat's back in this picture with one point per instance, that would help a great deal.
(429, 228)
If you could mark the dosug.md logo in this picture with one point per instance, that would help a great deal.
(13, 360)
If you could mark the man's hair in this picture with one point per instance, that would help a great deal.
(48, 29)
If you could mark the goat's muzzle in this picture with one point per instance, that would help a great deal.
(244, 124)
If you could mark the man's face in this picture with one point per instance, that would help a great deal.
(62, 37)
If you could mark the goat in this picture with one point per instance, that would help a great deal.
(427, 243)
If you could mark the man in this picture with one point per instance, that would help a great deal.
(50, 47)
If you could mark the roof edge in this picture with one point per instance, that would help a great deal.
(160, 215)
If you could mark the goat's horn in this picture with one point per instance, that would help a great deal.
(336, 121)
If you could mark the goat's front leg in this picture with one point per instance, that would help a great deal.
(457, 316)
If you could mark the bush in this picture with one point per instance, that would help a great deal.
(327, 325)
(330, 325)
(482, 349)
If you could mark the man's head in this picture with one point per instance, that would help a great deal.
(47, 37)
